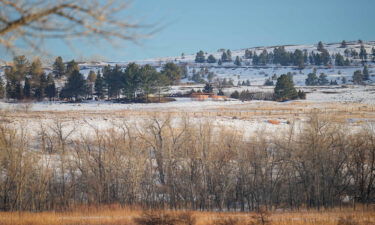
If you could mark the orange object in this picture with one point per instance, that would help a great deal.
(275, 122)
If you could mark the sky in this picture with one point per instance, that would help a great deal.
(192, 25)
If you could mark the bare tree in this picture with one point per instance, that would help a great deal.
(31, 22)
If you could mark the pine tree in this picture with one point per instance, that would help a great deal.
(343, 80)
(71, 67)
(208, 88)
(248, 54)
(211, 59)
(363, 54)
(41, 87)
(320, 46)
(268, 82)
(237, 62)
(235, 95)
(58, 67)
(75, 86)
(200, 58)
(312, 79)
(50, 90)
(172, 72)
(298, 59)
(224, 57)
(339, 60)
(2, 88)
(343, 44)
(229, 55)
(366, 74)
(322, 80)
(358, 77)
(99, 86)
(219, 62)
(284, 89)
(27, 88)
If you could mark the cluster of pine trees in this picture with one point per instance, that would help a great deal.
(298, 58)
(28, 81)
(25, 80)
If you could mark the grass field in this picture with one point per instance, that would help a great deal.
(114, 215)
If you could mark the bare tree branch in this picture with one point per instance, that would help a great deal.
(34, 21)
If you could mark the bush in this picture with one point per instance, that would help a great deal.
(165, 218)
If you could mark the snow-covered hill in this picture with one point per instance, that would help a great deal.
(258, 74)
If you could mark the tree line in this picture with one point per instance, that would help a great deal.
(29, 81)
(163, 163)
(299, 58)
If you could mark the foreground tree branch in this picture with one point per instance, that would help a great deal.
(33, 21)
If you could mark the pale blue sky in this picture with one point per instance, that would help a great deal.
(191, 25)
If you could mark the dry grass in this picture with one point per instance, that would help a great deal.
(124, 216)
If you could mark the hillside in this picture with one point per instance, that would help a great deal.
(257, 74)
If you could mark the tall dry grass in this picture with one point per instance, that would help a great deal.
(124, 216)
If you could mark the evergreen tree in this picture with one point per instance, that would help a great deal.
(325, 57)
(219, 62)
(301, 94)
(248, 54)
(312, 79)
(211, 59)
(339, 60)
(2, 88)
(172, 72)
(71, 67)
(284, 89)
(58, 67)
(366, 74)
(208, 88)
(224, 57)
(99, 86)
(305, 56)
(322, 80)
(132, 80)
(358, 77)
(75, 86)
(268, 82)
(200, 58)
(347, 62)
(237, 62)
(343, 80)
(50, 90)
(363, 54)
(263, 58)
(149, 77)
(235, 95)
(320, 46)
(18, 91)
(298, 59)
(41, 87)
(373, 54)
(343, 44)
(27, 88)
(229, 56)
(255, 59)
